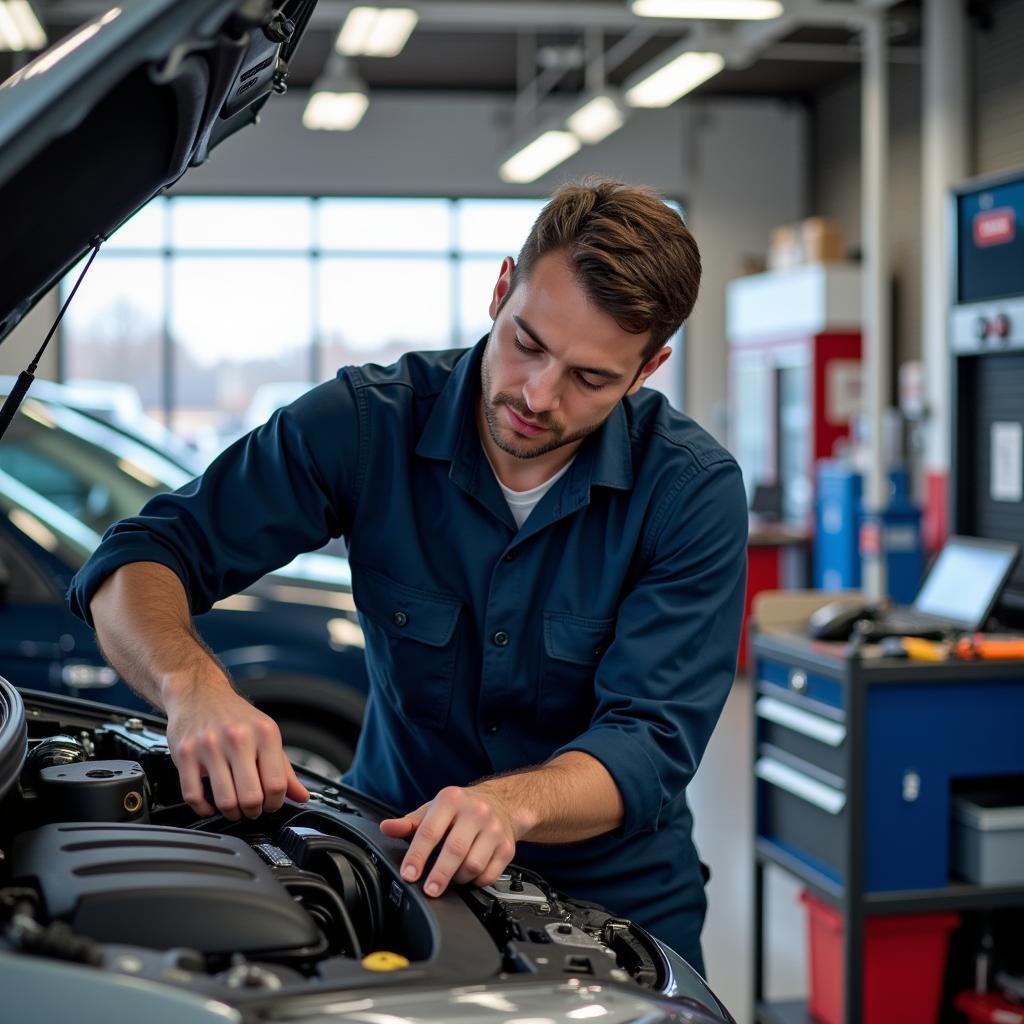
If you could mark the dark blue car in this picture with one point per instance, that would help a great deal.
(291, 642)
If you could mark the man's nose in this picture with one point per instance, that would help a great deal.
(542, 392)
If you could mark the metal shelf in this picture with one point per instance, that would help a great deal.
(827, 888)
(784, 1013)
(956, 896)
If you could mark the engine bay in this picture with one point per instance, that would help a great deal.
(104, 865)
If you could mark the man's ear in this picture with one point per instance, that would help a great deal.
(648, 368)
(502, 286)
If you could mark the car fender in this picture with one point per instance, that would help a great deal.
(342, 668)
(321, 696)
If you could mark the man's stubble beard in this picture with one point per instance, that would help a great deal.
(491, 406)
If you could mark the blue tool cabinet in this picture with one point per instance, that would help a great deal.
(855, 760)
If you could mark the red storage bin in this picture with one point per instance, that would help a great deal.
(988, 1008)
(904, 963)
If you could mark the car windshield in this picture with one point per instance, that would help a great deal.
(45, 523)
(97, 474)
(83, 467)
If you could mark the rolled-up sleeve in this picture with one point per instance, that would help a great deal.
(661, 684)
(287, 487)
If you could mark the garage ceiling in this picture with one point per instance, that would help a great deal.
(496, 46)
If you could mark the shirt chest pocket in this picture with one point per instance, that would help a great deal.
(573, 645)
(410, 643)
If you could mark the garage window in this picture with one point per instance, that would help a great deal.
(217, 309)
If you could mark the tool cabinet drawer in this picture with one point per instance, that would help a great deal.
(815, 686)
(797, 727)
(800, 811)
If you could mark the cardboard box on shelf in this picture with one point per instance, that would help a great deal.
(821, 240)
(813, 240)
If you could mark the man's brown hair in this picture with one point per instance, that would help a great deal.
(632, 254)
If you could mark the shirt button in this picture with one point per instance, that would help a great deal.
(492, 727)
(598, 651)
(399, 618)
(510, 557)
(501, 638)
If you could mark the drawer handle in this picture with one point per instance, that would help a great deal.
(798, 681)
(777, 711)
(800, 785)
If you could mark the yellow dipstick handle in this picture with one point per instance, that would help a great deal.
(382, 960)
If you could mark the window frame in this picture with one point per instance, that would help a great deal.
(455, 256)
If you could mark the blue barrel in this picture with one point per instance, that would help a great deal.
(838, 516)
(902, 541)
(837, 526)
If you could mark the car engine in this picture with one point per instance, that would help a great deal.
(104, 865)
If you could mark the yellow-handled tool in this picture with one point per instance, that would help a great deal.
(918, 649)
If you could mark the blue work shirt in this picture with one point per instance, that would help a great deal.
(607, 624)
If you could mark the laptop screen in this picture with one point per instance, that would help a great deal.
(965, 581)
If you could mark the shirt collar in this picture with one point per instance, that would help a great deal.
(454, 411)
(451, 432)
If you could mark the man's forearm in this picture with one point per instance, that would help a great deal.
(144, 628)
(567, 800)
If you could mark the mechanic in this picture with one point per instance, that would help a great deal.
(548, 563)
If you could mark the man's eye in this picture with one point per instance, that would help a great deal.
(589, 385)
(523, 348)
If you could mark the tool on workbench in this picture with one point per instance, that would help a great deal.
(919, 649)
(986, 647)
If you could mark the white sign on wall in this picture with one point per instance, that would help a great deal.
(842, 391)
(1007, 462)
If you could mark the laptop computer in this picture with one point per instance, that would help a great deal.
(957, 596)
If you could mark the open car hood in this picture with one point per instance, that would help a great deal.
(114, 113)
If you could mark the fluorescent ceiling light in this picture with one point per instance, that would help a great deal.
(731, 10)
(19, 27)
(356, 31)
(536, 158)
(376, 32)
(10, 36)
(337, 100)
(675, 79)
(26, 20)
(596, 119)
(335, 111)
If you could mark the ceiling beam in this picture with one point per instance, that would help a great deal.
(441, 15)
(508, 15)
(836, 53)
(517, 15)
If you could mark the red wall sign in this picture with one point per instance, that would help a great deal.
(995, 227)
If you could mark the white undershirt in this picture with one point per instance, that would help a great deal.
(522, 503)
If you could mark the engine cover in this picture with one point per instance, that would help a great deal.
(163, 887)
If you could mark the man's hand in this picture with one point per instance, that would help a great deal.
(571, 798)
(144, 626)
(479, 830)
(212, 731)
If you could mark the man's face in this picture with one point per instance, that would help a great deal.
(555, 365)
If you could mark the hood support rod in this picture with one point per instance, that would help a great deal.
(25, 378)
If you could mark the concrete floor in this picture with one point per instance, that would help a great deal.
(721, 797)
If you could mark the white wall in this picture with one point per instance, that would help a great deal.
(836, 188)
(737, 165)
(747, 174)
(998, 90)
(997, 144)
